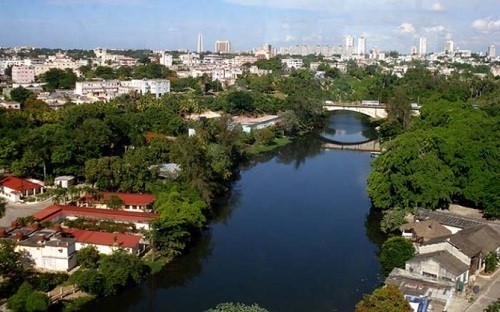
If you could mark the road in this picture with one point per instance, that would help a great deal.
(14, 211)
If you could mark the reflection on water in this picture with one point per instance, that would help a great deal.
(347, 128)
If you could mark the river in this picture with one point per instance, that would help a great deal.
(295, 234)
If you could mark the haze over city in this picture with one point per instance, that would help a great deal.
(155, 24)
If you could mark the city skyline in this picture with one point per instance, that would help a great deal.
(154, 24)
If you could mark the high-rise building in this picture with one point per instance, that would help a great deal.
(200, 43)
(413, 50)
(448, 47)
(349, 41)
(422, 46)
(361, 47)
(492, 51)
(222, 46)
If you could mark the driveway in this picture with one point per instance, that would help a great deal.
(14, 211)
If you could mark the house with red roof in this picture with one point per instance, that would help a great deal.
(15, 189)
(129, 201)
(106, 243)
(59, 213)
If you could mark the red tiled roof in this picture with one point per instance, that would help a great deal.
(127, 198)
(19, 184)
(104, 214)
(103, 238)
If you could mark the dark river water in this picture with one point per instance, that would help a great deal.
(295, 234)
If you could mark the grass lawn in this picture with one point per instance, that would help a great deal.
(259, 148)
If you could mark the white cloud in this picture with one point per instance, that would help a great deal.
(290, 38)
(486, 25)
(313, 37)
(406, 28)
(437, 29)
(437, 7)
(286, 26)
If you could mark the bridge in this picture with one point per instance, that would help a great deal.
(374, 111)
(370, 146)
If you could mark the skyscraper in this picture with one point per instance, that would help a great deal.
(361, 47)
(200, 43)
(413, 50)
(222, 46)
(492, 51)
(349, 41)
(422, 46)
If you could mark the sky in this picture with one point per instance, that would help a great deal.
(171, 25)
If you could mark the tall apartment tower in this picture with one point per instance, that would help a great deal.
(361, 47)
(492, 52)
(349, 41)
(413, 50)
(422, 46)
(448, 47)
(222, 46)
(200, 43)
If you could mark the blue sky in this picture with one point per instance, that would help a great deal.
(169, 24)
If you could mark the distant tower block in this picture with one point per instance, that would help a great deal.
(422, 46)
(222, 46)
(200, 43)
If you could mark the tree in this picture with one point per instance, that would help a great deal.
(493, 307)
(386, 299)
(392, 220)
(28, 300)
(11, 267)
(21, 94)
(89, 280)
(119, 270)
(114, 202)
(239, 102)
(237, 307)
(491, 262)
(56, 78)
(395, 252)
(88, 257)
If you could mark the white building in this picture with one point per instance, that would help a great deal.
(448, 47)
(45, 249)
(10, 104)
(349, 41)
(492, 52)
(102, 88)
(156, 87)
(361, 47)
(166, 59)
(23, 74)
(64, 181)
(200, 43)
(422, 46)
(106, 243)
(293, 63)
(222, 46)
(252, 124)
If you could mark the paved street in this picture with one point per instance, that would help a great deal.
(490, 291)
(14, 211)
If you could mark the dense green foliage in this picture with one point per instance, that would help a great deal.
(21, 94)
(493, 307)
(115, 271)
(56, 78)
(27, 299)
(88, 257)
(385, 299)
(491, 262)
(395, 252)
(237, 307)
(12, 270)
(452, 153)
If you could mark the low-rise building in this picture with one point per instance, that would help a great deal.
(59, 213)
(64, 181)
(252, 124)
(46, 249)
(101, 88)
(130, 201)
(106, 243)
(23, 74)
(423, 231)
(15, 189)
(293, 63)
(156, 87)
(10, 104)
